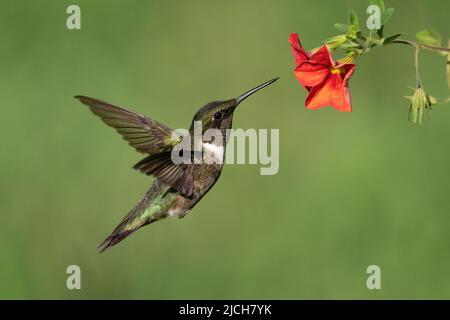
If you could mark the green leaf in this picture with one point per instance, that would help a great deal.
(429, 37)
(386, 15)
(361, 36)
(335, 42)
(353, 20)
(352, 34)
(392, 38)
(380, 32)
(379, 3)
(351, 46)
(338, 38)
(342, 27)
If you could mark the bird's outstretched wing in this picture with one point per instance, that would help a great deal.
(143, 133)
(146, 136)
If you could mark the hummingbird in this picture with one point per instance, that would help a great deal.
(177, 187)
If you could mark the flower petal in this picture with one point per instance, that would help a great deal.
(323, 57)
(314, 71)
(349, 68)
(298, 52)
(311, 74)
(331, 92)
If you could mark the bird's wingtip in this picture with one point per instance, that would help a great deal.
(80, 98)
(85, 100)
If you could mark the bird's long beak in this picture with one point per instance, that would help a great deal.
(247, 94)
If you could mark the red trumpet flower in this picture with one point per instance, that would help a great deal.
(324, 78)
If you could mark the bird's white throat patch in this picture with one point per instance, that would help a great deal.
(213, 153)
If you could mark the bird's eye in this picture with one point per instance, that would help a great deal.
(218, 115)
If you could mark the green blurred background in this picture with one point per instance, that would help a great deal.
(353, 189)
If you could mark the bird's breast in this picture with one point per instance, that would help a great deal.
(213, 153)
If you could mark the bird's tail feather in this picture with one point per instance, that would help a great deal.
(121, 232)
(113, 239)
(134, 220)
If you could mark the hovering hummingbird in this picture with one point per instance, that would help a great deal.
(177, 187)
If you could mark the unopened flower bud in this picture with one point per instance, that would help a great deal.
(419, 102)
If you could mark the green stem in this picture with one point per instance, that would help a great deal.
(416, 66)
(368, 40)
(421, 46)
(448, 66)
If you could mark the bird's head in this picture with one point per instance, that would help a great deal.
(219, 114)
